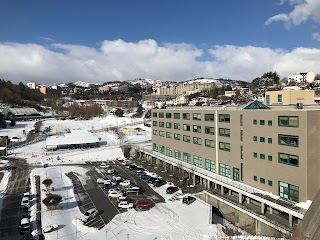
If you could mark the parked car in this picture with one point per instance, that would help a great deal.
(24, 225)
(113, 190)
(26, 194)
(159, 182)
(88, 215)
(103, 165)
(25, 203)
(151, 180)
(125, 198)
(172, 189)
(115, 194)
(125, 205)
(143, 204)
(132, 167)
(117, 178)
(125, 183)
(108, 184)
(188, 199)
(100, 181)
(50, 228)
(144, 177)
(111, 171)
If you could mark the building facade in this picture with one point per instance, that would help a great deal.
(306, 77)
(272, 149)
(287, 97)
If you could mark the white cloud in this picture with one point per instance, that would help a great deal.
(303, 11)
(120, 60)
(316, 36)
(290, 2)
(47, 39)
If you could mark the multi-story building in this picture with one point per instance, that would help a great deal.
(289, 96)
(305, 77)
(271, 148)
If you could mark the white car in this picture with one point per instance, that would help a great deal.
(115, 194)
(112, 190)
(26, 194)
(100, 180)
(24, 225)
(125, 205)
(111, 171)
(50, 228)
(125, 183)
(88, 215)
(25, 202)
(117, 178)
(103, 165)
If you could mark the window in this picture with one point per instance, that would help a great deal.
(186, 116)
(269, 182)
(236, 175)
(269, 158)
(177, 136)
(269, 122)
(186, 127)
(197, 128)
(161, 149)
(161, 115)
(209, 130)
(161, 124)
(289, 191)
(261, 122)
(155, 147)
(209, 117)
(224, 118)
(197, 141)
(241, 152)
(168, 134)
(154, 114)
(197, 161)
(225, 170)
(169, 152)
(241, 135)
(225, 132)
(168, 115)
(241, 120)
(288, 121)
(168, 125)
(288, 140)
(262, 156)
(255, 178)
(209, 143)
(177, 154)
(176, 115)
(197, 116)
(255, 138)
(154, 123)
(186, 157)
(161, 133)
(269, 140)
(255, 122)
(210, 165)
(288, 159)
(224, 146)
(279, 98)
(262, 180)
(155, 132)
(268, 99)
(186, 138)
(176, 126)
(262, 139)
(255, 155)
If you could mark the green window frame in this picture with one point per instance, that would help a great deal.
(161, 133)
(224, 132)
(196, 128)
(270, 183)
(176, 136)
(209, 130)
(270, 158)
(267, 99)
(154, 123)
(168, 115)
(255, 122)
(176, 115)
(269, 122)
(161, 114)
(210, 165)
(255, 155)
(209, 117)
(176, 126)
(177, 154)
(186, 138)
(186, 157)
(169, 152)
(262, 122)
(168, 134)
(168, 125)
(288, 121)
(241, 152)
(262, 156)
(262, 180)
(197, 161)
(241, 135)
(154, 114)
(255, 178)
(155, 132)
(224, 170)
(288, 191)
(255, 138)
(288, 140)
(155, 147)
(236, 174)
(197, 141)
(224, 118)
(241, 120)
(224, 146)
(196, 116)
(186, 116)
(186, 127)
(269, 140)
(288, 159)
(161, 149)
(262, 139)
(161, 124)
(279, 98)
(209, 143)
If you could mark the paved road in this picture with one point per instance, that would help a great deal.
(11, 212)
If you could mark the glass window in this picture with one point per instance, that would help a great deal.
(155, 147)
(177, 154)
(168, 115)
(210, 165)
(268, 99)
(288, 121)
(161, 149)
(255, 122)
(169, 152)
(289, 191)
(154, 114)
(255, 155)
(186, 127)
(241, 135)
(224, 118)
(154, 123)
(236, 175)
(209, 143)
(241, 152)
(241, 120)
(261, 122)
(161, 124)
(161, 133)
(161, 115)
(186, 116)
(269, 122)
(225, 170)
(262, 180)
(209, 130)
(176, 115)
(197, 128)
(225, 132)
(255, 138)
(176, 126)
(186, 157)
(168, 134)
(288, 159)
(197, 161)
(224, 146)
(269, 182)
(155, 132)
(197, 116)
(269, 158)
(262, 139)
(186, 138)
(262, 156)
(269, 140)
(279, 97)
(209, 117)
(197, 141)
(168, 125)
(177, 136)
(288, 140)
(255, 178)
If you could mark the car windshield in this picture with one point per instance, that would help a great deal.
(25, 225)
(87, 213)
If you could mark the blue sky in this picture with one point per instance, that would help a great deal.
(199, 33)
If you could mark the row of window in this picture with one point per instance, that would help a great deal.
(284, 158)
(262, 156)
(262, 180)
(262, 139)
(262, 122)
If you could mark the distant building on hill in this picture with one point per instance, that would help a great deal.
(290, 96)
(21, 113)
(306, 77)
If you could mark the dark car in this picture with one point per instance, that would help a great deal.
(152, 179)
(172, 189)
(188, 199)
(159, 182)
(132, 167)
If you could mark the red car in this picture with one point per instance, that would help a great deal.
(143, 204)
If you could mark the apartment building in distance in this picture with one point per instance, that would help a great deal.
(290, 95)
(271, 148)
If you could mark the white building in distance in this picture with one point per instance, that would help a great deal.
(306, 77)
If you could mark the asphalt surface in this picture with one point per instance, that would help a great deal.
(11, 212)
